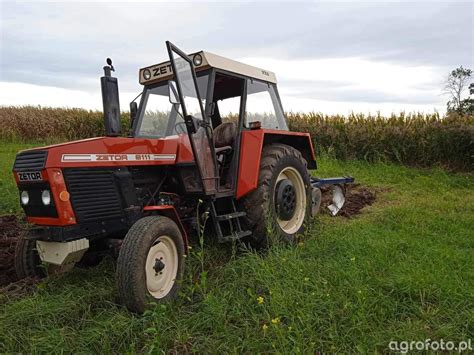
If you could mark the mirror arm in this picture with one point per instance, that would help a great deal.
(133, 114)
(173, 92)
(192, 123)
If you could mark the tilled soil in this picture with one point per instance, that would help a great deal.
(357, 197)
(10, 230)
(10, 286)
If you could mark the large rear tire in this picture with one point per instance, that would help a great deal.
(150, 263)
(27, 261)
(278, 209)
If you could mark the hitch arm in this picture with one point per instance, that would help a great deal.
(318, 182)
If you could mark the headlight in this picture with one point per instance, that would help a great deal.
(24, 197)
(147, 74)
(46, 197)
(197, 60)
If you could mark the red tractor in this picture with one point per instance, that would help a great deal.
(209, 134)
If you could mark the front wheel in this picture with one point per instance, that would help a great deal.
(27, 261)
(150, 263)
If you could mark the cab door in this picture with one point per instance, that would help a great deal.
(197, 124)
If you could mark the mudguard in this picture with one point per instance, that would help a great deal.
(252, 143)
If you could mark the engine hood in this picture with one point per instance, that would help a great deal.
(118, 151)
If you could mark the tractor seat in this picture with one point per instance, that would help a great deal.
(224, 136)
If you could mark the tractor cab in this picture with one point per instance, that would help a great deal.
(212, 99)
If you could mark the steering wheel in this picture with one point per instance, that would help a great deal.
(182, 128)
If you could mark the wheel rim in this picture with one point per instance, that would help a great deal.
(292, 225)
(161, 267)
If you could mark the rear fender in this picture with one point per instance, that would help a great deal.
(252, 143)
(301, 143)
(170, 212)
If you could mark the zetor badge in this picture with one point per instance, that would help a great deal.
(30, 176)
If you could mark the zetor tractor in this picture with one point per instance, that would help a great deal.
(209, 135)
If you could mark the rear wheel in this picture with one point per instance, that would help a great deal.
(27, 260)
(150, 263)
(280, 205)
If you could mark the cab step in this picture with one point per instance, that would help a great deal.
(235, 236)
(227, 225)
(228, 216)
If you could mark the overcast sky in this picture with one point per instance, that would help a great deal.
(333, 57)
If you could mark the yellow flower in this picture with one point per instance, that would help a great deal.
(264, 327)
(276, 320)
(260, 299)
(353, 258)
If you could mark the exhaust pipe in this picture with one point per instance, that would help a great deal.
(110, 100)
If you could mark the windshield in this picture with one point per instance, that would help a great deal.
(158, 116)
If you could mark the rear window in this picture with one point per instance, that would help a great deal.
(263, 105)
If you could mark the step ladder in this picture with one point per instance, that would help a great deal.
(228, 223)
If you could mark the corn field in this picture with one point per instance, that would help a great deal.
(411, 139)
(424, 140)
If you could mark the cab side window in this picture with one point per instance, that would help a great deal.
(263, 105)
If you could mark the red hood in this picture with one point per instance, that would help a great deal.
(119, 151)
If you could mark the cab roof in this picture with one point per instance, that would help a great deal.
(164, 71)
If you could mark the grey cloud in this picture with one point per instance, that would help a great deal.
(439, 33)
(340, 91)
(64, 44)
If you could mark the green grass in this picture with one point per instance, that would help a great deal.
(402, 270)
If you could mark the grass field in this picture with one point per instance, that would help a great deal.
(402, 270)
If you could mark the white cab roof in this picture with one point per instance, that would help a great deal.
(163, 71)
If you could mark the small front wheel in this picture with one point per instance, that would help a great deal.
(150, 263)
(27, 260)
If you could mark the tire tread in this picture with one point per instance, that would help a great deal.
(131, 280)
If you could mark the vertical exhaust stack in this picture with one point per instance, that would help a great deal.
(110, 100)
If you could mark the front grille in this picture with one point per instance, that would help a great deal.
(30, 160)
(94, 194)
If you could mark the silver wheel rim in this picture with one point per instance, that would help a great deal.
(160, 283)
(294, 224)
